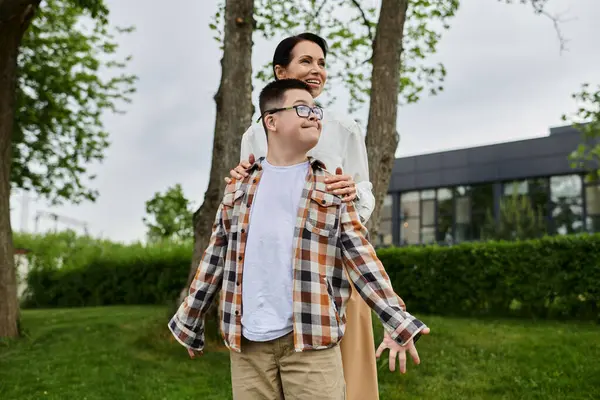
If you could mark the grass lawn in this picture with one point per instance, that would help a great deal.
(127, 353)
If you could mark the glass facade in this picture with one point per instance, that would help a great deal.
(592, 207)
(566, 204)
(457, 214)
(384, 233)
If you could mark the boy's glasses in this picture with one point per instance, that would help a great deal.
(302, 111)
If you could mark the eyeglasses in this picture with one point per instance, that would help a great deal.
(303, 111)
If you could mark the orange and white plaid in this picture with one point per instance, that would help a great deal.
(328, 237)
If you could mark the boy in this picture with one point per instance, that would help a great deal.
(278, 250)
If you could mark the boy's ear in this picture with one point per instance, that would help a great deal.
(270, 122)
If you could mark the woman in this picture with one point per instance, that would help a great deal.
(341, 148)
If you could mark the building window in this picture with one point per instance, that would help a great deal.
(539, 194)
(462, 212)
(592, 207)
(536, 190)
(384, 234)
(482, 203)
(520, 187)
(566, 204)
(428, 216)
(445, 215)
(410, 214)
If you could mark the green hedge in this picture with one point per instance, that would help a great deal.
(132, 275)
(547, 278)
(553, 277)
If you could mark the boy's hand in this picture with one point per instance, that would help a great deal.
(399, 351)
(194, 353)
(239, 172)
(342, 185)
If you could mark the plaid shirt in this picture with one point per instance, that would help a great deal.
(328, 237)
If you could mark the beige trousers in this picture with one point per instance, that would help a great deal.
(274, 371)
(358, 351)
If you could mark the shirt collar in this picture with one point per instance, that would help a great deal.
(314, 163)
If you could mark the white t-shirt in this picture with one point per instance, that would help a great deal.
(267, 277)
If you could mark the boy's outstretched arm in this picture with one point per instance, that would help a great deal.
(372, 282)
(187, 325)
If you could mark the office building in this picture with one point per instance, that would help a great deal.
(446, 197)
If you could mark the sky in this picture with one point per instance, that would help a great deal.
(507, 80)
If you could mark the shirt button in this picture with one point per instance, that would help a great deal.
(243, 230)
(237, 312)
(323, 202)
(240, 258)
(237, 283)
(254, 180)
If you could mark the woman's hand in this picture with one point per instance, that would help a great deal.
(342, 185)
(239, 172)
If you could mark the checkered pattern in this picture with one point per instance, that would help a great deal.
(329, 240)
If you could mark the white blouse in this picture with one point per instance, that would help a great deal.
(341, 145)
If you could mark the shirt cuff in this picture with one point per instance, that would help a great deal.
(185, 337)
(364, 202)
(409, 329)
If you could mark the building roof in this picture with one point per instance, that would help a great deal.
(543, 156)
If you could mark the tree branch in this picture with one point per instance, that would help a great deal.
(319, 9)
(539, 7)
(366, 21)
(556, 21)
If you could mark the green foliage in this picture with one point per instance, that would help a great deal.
(587, 120)
(349, 28)
(96, 8)
(64, 250)
(518, 220)
(542, 278)
(69, 76)
(134, 274)
(552, 277)
(169, 216)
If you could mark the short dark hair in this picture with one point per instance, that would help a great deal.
(273, 94)
(283, 52)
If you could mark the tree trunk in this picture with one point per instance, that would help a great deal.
(382, 137)
(15, 16)
(234, 115)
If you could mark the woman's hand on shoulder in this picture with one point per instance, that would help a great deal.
(240, 172)
(341, 185)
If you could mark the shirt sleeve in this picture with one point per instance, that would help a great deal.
(246, 147)
(356, 164)
(187, 325)
(371, 281)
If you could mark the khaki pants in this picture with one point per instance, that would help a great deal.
(358, 351)
(274, 371)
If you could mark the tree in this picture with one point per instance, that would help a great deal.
(234, 114)
(382, 137)
(587, 120)
(51, 101)
(169, 216)
(518, 220)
